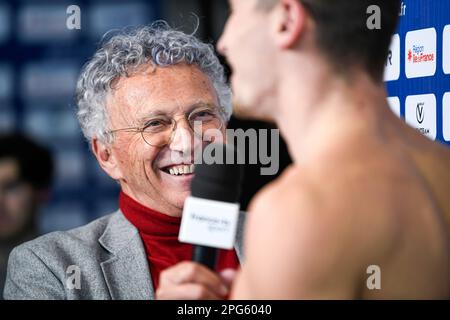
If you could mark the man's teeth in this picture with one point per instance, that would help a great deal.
(181, 169)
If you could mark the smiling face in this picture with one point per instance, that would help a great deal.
(148, 173)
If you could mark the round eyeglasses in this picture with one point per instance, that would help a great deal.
(158, 131)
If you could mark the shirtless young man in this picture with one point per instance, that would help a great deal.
(365, 189)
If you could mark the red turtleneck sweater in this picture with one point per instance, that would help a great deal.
(159, 233)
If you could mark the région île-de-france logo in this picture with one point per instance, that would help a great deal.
(417, 55)
(421, 53)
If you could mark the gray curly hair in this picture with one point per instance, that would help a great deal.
(123, 53)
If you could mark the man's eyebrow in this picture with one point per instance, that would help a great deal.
(201, 104)
(153, 113)
(158, 112)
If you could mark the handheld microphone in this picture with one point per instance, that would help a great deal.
(210, 214)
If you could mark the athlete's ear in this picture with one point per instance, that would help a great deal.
(289, 20)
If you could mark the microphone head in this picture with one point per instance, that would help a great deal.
(218, 181)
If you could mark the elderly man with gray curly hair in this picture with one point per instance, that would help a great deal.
(138, 99)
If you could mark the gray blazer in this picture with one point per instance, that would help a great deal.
(108, 252)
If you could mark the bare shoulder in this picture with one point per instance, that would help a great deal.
(291, 191)
(324, 196)
(314, 232)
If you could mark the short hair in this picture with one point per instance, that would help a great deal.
(344, 37)
(124, 52)
(35, 161)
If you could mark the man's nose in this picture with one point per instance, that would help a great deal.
(183, 139)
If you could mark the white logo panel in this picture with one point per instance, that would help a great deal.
(420, 53)
(420, 113)
(392, 70)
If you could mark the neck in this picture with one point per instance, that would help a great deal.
(320, 111)
(160, 204)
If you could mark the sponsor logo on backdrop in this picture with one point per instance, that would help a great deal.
(420, 113)
(420, 48)
(392, 70)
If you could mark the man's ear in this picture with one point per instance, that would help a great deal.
(106, 159)
(290, 19)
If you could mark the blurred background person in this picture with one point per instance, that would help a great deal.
(26, 171)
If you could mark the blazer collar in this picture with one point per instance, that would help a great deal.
(126, 272)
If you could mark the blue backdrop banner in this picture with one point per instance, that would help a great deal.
(418, 68)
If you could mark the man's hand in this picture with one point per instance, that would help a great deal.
(192, 281)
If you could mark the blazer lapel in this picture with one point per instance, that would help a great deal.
(126, 272)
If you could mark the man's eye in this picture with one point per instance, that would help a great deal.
(155, 123)
(203, 115)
